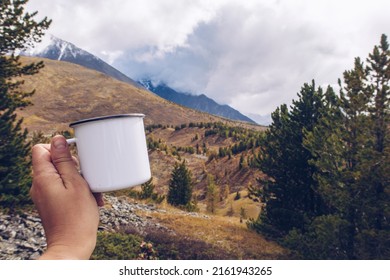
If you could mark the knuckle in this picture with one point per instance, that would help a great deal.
(62, 159)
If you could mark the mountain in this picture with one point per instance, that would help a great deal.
(57, 49)
(67, 92)
(197, 102)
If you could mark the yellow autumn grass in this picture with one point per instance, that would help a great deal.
(226, 233)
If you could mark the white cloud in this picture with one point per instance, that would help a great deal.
(118, 25)
(252, 54)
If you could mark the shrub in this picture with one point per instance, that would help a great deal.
(117, 246)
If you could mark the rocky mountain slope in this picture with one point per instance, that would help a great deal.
(22, 236)
(198, 102)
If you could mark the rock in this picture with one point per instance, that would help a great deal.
(35, 256)
(22, 236)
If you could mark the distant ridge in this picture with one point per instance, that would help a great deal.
(197, 102)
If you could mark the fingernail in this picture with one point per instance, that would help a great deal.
(59, 143)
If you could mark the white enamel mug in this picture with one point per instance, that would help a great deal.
(112, 151)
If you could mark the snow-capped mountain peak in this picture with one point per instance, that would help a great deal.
(56, 49)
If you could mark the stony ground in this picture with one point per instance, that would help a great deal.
(22, 236)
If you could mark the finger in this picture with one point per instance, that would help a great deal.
(61, 157)
(44, 174)
(99, 199)
(41, 160)
(76, 162)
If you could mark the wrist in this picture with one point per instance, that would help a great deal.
(68, 252)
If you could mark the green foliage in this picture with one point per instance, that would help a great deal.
(242, 164)
(147, 189)
(212, 195)
(38, 136)
(180, 185)
(230, 212)
(147, 252)
(18, 31)
(147, 192)
(243, 214)
(326, 238)
(151, 127)
(117, 246)
(244, 139)
(156, 144)
(191, 206)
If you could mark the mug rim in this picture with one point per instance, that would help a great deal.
(105, 118)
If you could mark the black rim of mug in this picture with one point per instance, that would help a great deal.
(105, 118)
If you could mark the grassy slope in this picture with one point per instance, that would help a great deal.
(227, 237)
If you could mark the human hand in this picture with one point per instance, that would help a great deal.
(68, 209)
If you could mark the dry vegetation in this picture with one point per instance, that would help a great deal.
(66, 92)
(229, 238)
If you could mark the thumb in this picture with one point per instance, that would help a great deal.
(61, 157)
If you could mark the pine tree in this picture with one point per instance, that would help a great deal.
(242, 163)
(357, 141)
(352, 172)
(374, 237)
(290, 192)
(327, 145)
(243, 214)
(379, 74)
(18, 30)
(180, 185)
(147, 189)
(211, 195)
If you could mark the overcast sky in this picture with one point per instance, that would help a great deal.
(250, 54)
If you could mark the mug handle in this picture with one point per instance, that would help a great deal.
(71, 141)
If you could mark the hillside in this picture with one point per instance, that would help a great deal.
(202, 149)
(66, 92)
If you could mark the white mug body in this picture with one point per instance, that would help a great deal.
(112, 151)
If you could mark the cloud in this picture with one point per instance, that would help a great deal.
(118, 25)
(253, 55)
(246, 57)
